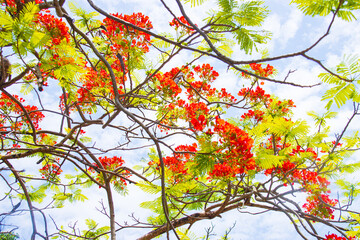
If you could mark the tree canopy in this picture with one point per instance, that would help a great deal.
(196, 149)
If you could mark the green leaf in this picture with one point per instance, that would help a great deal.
(343, 91)
(195, 2)
(235, 18)
(325, 7)
(267, 161)
(321, 120)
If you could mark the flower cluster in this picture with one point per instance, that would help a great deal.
(206, 72)
(167, 85)
(235, 150)
(318, 202)
(185, 151)
(223, 94)
(222, 170)
(96, 84)
(182, 24)
(91, 81)
(55, 26)
(257, 115)
(279, 108)
(50, 171)
(200, 87)
(321, 208)
(112, 164)
(254, 96)
(8, 106)
(124, 37)
(11, 4)
(176, 164)
(195, 113)
(259, 70)
(299, 150)
(305, 177)
(333, 236)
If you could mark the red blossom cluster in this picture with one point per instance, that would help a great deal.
(93, 80)
(167, 84)
(206, 72)
(200, 87)
(111, 164)
(308, 179)
(185, 151)
(199, 123)
(8, 106)
(298, 150)
(257, 115)
(125, 38)
(50, 171)
(95, 84)
(333, 236)
(223, 94)
(13, 3)
(55, 26)
(257, 95)
(320, 208)
(196, 112)
(259, 70)
(177, 163)
(279, 108)
(184, 25)
(222, 170)
(235, 150)
(305, 177)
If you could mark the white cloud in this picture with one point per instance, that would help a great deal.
(284, 27)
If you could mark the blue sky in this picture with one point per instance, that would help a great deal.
(291, 31)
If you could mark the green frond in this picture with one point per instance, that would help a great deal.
(36, 194)
(251, 13)
(269, 160)
(149, 188)
(281, 127)
(325, 7)
(28, 12)
(348, 68)
(87, 19)
(346, 15)
(195, 2)
(329, 78)
(340, 94)
(186, 234)
(6, 21)
(239, 20)
(352, 141)
(321, 119)
(227, 5)
(75, 8)
(317, 7)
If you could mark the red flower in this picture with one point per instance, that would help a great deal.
(124, 37)
(336, 237)
(182, 24)
(55, 26)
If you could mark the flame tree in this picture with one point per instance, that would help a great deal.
(115, 71)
